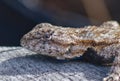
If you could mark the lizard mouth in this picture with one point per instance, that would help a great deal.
(23, 42)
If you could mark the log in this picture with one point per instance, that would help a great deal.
(19, 64)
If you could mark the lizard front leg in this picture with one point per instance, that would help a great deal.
(112, 53)
(107, 55)
(114, 74)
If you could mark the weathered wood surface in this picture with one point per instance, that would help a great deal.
(19, 64)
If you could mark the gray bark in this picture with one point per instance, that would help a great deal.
(19, 64)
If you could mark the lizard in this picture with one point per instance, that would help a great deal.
(95, 44)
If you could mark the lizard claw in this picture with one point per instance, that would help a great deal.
(112, 77)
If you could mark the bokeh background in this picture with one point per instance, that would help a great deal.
(17, 17)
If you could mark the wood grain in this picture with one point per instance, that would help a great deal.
(19, 64)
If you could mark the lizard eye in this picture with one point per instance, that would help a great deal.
(47, 36)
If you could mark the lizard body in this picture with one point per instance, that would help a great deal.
(96, 44)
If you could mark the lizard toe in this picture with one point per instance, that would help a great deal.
(112, 77)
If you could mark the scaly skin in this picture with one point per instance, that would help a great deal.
(96, 44)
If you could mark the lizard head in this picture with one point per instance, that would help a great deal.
(39, 34)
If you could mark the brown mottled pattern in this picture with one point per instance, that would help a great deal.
(91, 36)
